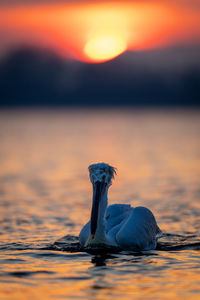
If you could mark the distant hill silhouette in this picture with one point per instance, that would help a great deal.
(37, 77)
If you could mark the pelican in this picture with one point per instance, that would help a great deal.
(118, 225)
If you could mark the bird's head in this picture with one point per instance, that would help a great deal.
(101, 176)
(101, 172)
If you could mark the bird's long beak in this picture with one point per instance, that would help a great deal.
(98, 191)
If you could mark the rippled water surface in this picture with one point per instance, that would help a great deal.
(45, 198)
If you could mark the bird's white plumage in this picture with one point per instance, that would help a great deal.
(119, 225)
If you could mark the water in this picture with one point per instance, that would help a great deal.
(45, 198)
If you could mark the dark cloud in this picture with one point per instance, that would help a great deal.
(35, 77)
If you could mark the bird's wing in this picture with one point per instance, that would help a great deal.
(139, 230)
(115, 214)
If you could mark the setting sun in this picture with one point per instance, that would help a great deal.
(97, 31)
(103, 48)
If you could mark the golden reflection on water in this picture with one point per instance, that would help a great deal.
(45, 194)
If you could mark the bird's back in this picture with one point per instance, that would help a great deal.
(139, 230)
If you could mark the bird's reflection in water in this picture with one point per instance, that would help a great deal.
(100, 272)
(104, 265)
(100, 260)
(134, 258)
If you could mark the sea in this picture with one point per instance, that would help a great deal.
(45, 199)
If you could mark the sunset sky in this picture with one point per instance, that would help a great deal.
(142, 52)
(97, 31)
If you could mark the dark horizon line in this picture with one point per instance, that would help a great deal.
(100, 106)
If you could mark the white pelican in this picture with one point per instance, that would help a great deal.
(118, 225)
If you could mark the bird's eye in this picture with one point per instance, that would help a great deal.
(108, 216)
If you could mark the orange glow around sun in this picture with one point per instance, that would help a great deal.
(97, 31)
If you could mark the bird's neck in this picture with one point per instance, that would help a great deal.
(100, 235)
(102, 211)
